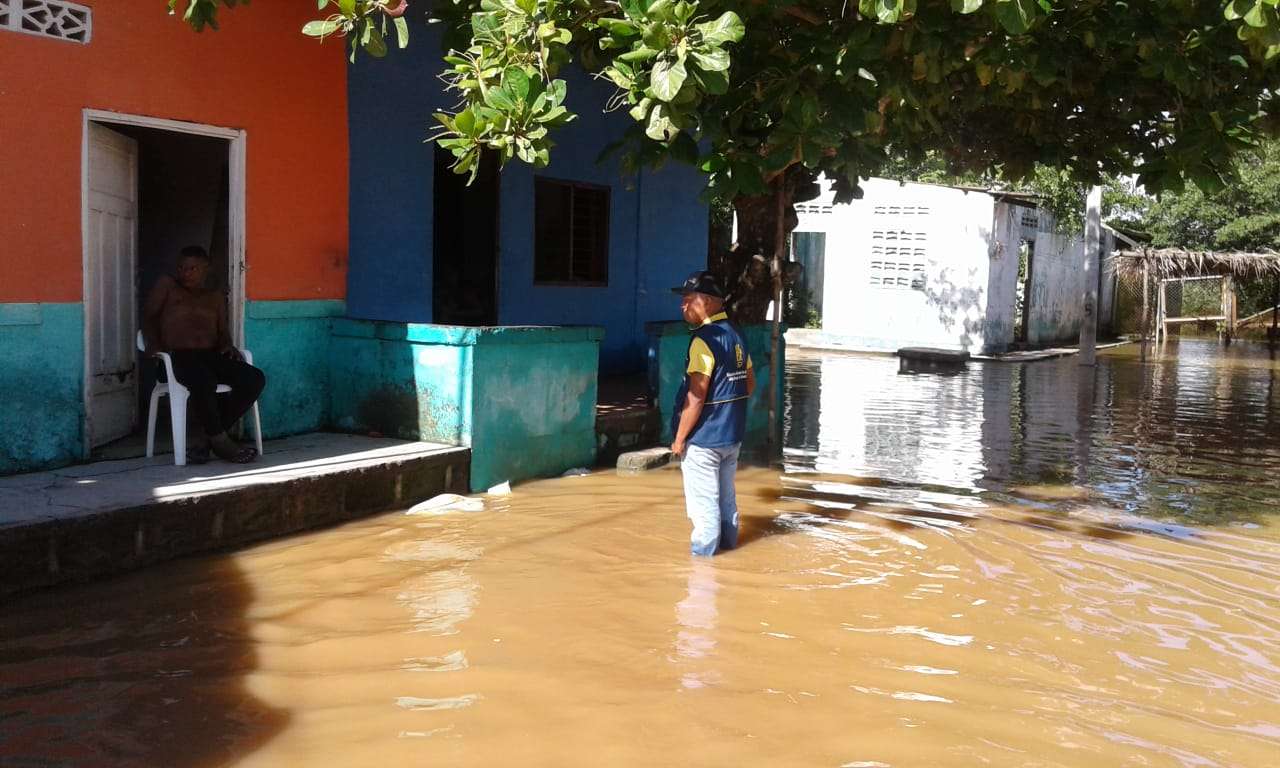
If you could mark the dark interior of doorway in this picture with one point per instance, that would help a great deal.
(1022, 315)
(183, 199)
(465, 244)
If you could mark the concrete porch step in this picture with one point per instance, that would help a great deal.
(95, 519)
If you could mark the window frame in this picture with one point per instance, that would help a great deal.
(574, 185)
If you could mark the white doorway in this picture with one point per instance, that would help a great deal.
(136, 216)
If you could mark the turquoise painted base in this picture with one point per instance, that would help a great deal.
(41, 385)
(668, 349)
(524, 398)
(290, 343)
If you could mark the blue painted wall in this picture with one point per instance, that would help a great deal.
(41, 385)
(524, 398)
(658, 227)
(290, 343)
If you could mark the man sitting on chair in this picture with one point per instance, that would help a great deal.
(186, 319)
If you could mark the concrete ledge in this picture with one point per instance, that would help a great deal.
(97, 519)
(639, 461)
(464, 336)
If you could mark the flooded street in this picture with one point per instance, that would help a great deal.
(1000, 567)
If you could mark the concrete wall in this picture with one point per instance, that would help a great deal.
(668, 350)
(1057, 285)
(1002, 278)
(946, 231)
(657, 232)
(525, 397)
(41, 385)
(290, 343)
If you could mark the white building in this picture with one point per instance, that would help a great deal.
(922, 265)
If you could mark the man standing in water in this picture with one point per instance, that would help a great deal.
(711, 414)
(187, 319)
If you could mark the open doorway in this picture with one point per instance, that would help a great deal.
(151, 187)
(465, 244)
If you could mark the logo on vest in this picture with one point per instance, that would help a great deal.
(737, 351)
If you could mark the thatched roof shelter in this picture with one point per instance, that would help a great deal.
(1169, 263)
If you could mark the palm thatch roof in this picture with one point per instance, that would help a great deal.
(1167, 263)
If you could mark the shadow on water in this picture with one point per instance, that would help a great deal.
(144, 670)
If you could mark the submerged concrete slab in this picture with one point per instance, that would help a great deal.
(93, 519)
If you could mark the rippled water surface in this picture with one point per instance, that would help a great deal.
(1011, 566)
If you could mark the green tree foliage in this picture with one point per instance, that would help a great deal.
(765, 95)
(1242, 216)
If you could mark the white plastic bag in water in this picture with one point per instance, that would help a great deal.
(502, 489)
(445, 503)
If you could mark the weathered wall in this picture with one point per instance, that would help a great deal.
(290, 343)
(533, 403)
(939, 234)
(657, 228)
(1002, 279)
(524, 397)
(669, 348)
(41, 385)
(1057, 285)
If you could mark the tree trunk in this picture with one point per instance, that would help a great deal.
(744, 268)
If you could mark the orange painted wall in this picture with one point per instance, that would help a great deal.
(257, 73)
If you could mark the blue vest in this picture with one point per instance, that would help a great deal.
(724, 414)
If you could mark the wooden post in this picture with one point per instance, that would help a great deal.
(1092, 258)
(779, 243)
(1231, 313)
(1145, 328)
(1275, 310)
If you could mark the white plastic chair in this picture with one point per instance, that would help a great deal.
(178, 395)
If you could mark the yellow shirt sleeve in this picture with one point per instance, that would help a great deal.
(748, 362)
(700, 358)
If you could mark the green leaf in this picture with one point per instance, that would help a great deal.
(320, 28)
(728, 28)
(712, 59)
(660, 127)
(1016, 16)
(966, 6)
(643, 53)
(556, 92)
(376, 44)
(516, 83)
(666, 79)
(499, 99)
(619, 27)
(886, 11)
(402, 31)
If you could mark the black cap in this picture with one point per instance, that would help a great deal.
(701, 281)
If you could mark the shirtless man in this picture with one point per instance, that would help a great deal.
(186, 319)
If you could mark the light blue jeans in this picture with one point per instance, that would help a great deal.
(710, 500)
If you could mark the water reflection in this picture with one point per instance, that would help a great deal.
(696, 621)
(1187, 430)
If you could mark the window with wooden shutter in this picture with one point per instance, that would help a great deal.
(571, 233)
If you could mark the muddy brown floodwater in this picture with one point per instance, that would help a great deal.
(1003, 567)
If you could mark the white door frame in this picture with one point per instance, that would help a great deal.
(235, 223)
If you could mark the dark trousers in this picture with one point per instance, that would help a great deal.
(201, 371)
